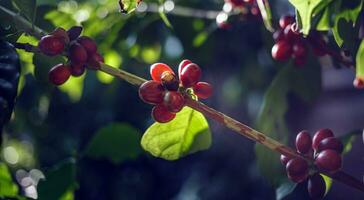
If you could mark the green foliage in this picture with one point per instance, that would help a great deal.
(285, 189)
(27, 7)
(308, 9)
(7, 187)
(116, 142)
(128, 6)
(187, 133)
(360, 61)
(328, 182)
(303, 82)
(59, 180)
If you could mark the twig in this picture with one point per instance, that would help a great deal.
(217, 116)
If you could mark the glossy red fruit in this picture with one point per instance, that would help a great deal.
(88, 43)
(157, 69)
(284, 159)
(358, 83)
(285, 21)
(328, 160)
(51, 45)
(290, 34)
(236, 3)
(331, 143)
(74, 32)
(151, 92)
(61, 33)
(297, 170)
(319, 136)
(278, 35)
(183, 64)
(94, 60)
(174, 101)
(170, 81)
(59, 74)
(190, 75)
(77, 70)
(161, 114)
(303, 142)
(282, 50)
(316, 186)
(77, 54)
(299, 49)
(203, 90)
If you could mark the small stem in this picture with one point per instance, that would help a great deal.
(215, 115)
(27, 47)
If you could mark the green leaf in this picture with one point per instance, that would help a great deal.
(285, 189)
(328, 182)
(59, 180)
(186, 134)
(348, 13)
(27, 8)
(324, 22)
(266, 14)
(307, 9)
(7, 187)
(304, 83)
(116, 142)
(360, 61)
(128, 6)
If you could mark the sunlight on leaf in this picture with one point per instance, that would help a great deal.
(360, 61)
(187, 133)
(7, 187)
(73, 88)
(328, 182)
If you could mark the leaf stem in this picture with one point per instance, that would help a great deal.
(215, 115)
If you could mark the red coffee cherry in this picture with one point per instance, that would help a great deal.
(174, 101)
(203, 90)
(281, 51)
(328, 160)
(278, 35)
(358, 83)
(94, 60)
(88, 43)
(151, 92)
(316, 186)
(74, 32)
(77, 70)
(61, 33)
(297, 170)
(59, 74)
(190, 75)
(77, 54)
(299, 49)
(183, 64)
(285, 21)
(157, 69)
(303, 142)
(319, 136)
(161, 114)
(331, 143)
(290, 34)
(235, 3)
(51, 45)
(170, 81)
(284, 159)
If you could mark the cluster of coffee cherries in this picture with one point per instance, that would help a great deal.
(359, 83)
(291, 44)
(167, 93)
(325, 150)
(81, 52)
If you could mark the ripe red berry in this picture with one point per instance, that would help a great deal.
(299, 49)
(74, 32)
(170, 81)
(51, 45)
(203, 90)
(61, 33)
(183, 64)
(88, 43)
(285, 21)
(358, 83)
(319, 136)
(328, 160)
(281, 51)
(284, 159)
(77, 54)
(77, 70)
(297, 170)
(303, 142)
(157, 69)
(331, 143)
(174, 101)
(161, 114)
(290, 34)
(59, 74)
(94, 60)
(190, 75)
(316, 186)
(151, 92)
(278, 35)
(235, 3)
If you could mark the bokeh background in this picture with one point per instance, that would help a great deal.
(52, 125)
